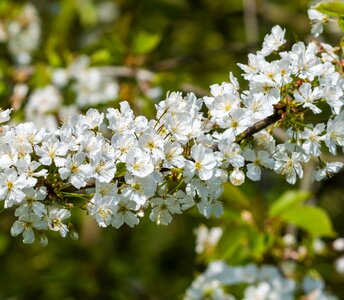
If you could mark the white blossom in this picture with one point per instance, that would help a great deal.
(139, 163)
(262, 159)
(204, 162)
(163, 208)
(273, 41)
(237, 177)
(318, 20)
(327, 171)
(4, 115)
(289, 165)
(11, 185)
(56, 216)
(124, 214)
(75, 170)
(306, 96)
(25, 225)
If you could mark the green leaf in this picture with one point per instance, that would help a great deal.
(41, 75)
(145, 42)
(234, 196)
(4, 243)
(231, 214)
(341, 23)
(101, 56)
(53, 58)
(312, 219)
(288, 201)
(260, 243)
(342, 45)
(121, 169)
(61, 24)
(332, 8)
(231, 241)
(87, 12)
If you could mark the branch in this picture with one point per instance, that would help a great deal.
(249, 132)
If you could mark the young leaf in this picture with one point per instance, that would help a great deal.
(259, 244)
(332, 8)
(233, 195)
(312, 219)
(231, 241)
(101, 56)
(287, 201)
(341, 23)
(342, 45)
(121, 169)
(145, 42)
(87, 12)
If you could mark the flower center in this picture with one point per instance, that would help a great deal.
(104, 213)
(198, 165)
(74, 168)
(10, 185)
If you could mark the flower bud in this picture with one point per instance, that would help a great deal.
(237, 177)
(43, 240)
(74, 235)
(338, 244)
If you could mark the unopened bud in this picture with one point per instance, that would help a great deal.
(74, 235)
(43, 240)
(237, 177)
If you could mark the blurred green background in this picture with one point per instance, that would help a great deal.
(188, 45)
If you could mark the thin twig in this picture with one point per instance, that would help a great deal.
(260, 126)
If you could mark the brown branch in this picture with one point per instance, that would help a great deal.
(249, 132)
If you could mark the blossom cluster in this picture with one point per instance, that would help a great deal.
(20, 28)
(45, 105)
(49, 101)
(264, 282)
(22, 34)
(87, 86)
(90, 85)
(117, 165)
